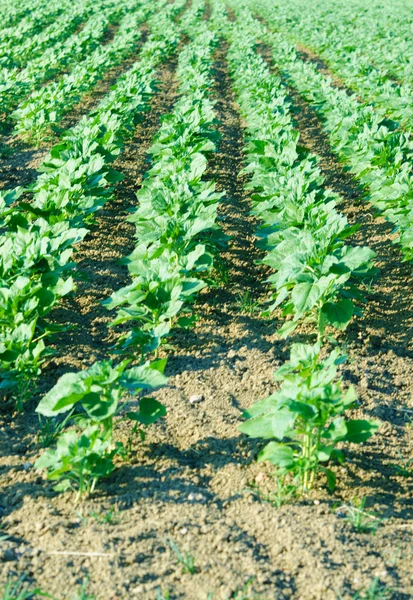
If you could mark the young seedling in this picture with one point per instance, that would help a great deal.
(163, 595)
(241, 593)
(376, 591)
(110, 517)
(82, 593)
(284, 492)
(94, 396)
(187, 560)
(306, 417)
(18, 590)
(361, 520)
(247, 304)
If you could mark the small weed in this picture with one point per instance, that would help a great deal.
(111, 517)
(405, 469)
(18, 590)
(220, 275)
(163, 596)
(82, 593)
(283, 493)
(5, 150)
(240, 593)
(247, 304)
(376, 591)
(361, 520)
(187, 560)
(50, 429)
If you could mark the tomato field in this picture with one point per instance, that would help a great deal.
(206, 306)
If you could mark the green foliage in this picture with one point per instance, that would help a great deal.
(366, 129)
(304, 420)
(360, 519)
(19, 590)
(303, 233)
(38, 235)
(186, 559)
(84, 456)
(175, 221)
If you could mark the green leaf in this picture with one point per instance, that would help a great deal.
(287, 328)
(338, 314)
(359, 431)
(150, 410)
(305, 296)
(64, 395)
(331, 478)
(147, 376)
(261, 427)
(278, 454)
(98, 407)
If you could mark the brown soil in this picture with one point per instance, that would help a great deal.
(190, 481)
(19, 168)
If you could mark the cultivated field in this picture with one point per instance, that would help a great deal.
(206, 300)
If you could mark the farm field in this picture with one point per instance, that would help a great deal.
(206, 308)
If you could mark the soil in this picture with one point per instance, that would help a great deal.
(190, 483)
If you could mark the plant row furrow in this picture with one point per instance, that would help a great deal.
(314, 271)
(378, 154)
(17, 84)
(176, 239)
(45, 107)
(39, 234)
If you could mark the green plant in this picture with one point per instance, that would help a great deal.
(306, 417)
(163, 595)
(110, 517)
(285, 491)
(85, 455)
(247, 304)
(50, 429)
(18, 590)
(38, 235)
(375, 591)
(186, 559)
(361, 520)
(82, 593)
(405, 469)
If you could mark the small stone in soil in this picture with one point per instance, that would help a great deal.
(196, 398)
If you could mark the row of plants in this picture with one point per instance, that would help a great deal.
(19, 22)
(41, 229)
(28, 42)
(369, 56)
(16, 84)
(377, 152)
(45, 107)
(177, 236)
(315, 272)
(12, 14)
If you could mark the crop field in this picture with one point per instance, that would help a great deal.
(206, 300)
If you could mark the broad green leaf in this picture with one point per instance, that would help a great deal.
(359, 431)
(278, 454)
(338, 314)
(150, 410)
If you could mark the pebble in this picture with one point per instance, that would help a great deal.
(196, 398)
